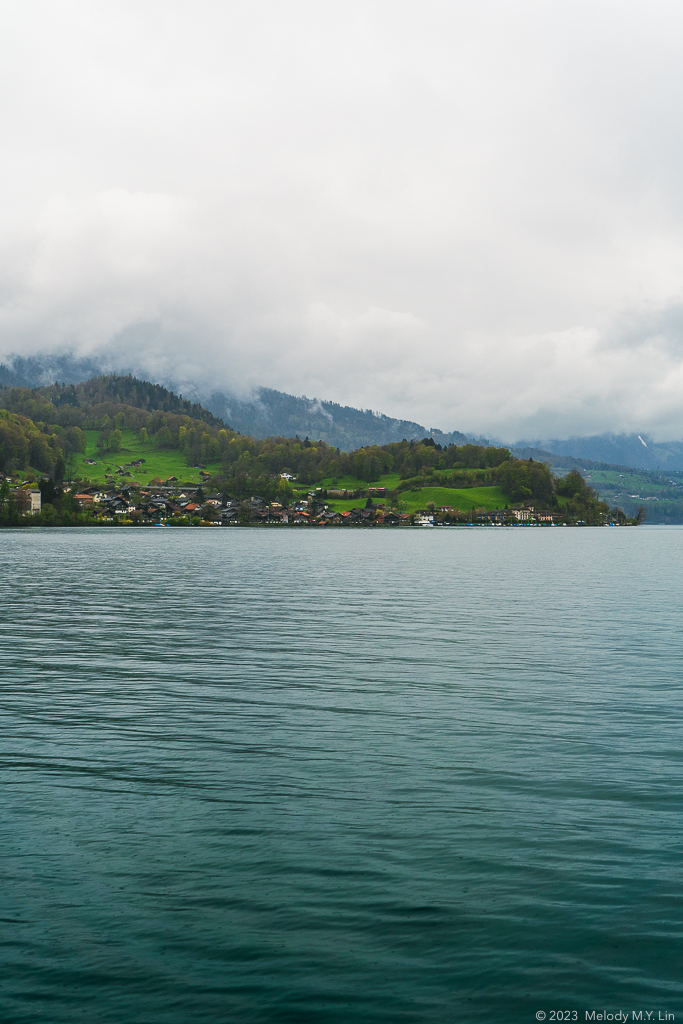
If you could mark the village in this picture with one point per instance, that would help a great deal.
(169, 503)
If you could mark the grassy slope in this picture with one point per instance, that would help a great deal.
(631, 481)
(167, 463)
(162, 463)
(660, 492)
(458, 498)
(463, 499)
(389, 480)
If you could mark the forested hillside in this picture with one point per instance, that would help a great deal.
(46, 431)
(264, 413)
(274, 412)
(23, 443)
(109, 390)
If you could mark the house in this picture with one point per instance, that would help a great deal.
(28, 500)
(424, 519)
(287, 476)
(498, 516)
(83, 499)
(522, 515)
(545, 516)
(116, 504)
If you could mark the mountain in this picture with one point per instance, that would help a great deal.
(128, 390)
(267, 413)
(37, 371)
(274, 413)
(637, 451)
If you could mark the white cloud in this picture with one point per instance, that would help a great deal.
(465, 214)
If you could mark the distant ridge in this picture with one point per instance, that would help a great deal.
(562, 461)
(636, 451)
(267, 413)
(276, 413)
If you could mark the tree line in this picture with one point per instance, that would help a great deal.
(42, 427)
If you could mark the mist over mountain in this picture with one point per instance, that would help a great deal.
(274, 412)
(638, 451)
(268, 412)
(264, 413)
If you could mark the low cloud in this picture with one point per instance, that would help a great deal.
(465, 215)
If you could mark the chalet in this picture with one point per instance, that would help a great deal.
(394, 518)
(498, 516)
(119, 506)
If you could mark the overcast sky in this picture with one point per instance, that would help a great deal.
(469, 214)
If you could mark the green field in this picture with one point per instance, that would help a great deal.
(159, 463)
(352, 483)
(458, 498)
(166, 463)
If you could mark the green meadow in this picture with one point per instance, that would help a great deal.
(161, 463)
(458, 498)
(164, 463)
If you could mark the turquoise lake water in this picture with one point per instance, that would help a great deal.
(256, 775)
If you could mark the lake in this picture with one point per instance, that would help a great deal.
(294, 775)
